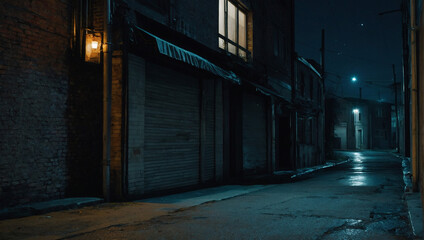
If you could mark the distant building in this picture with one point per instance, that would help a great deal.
(309, 104)
(359, 124)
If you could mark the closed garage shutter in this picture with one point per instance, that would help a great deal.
(254, 133)
(172, 129)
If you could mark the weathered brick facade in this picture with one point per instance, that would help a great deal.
(48, 111)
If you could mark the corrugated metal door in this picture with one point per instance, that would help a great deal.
(254, 133)
(172, 129)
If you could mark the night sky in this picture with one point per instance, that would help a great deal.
(359, 42)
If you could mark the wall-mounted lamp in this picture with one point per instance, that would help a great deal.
(92, 46)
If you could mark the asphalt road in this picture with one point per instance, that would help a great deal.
(361, 199)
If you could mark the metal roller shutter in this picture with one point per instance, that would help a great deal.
(254, 133)
(172, 123)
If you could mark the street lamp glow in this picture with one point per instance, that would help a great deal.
(355, 111)
(354, 79)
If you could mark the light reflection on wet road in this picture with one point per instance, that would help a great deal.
(358, 177)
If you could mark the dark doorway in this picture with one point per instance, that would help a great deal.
(284, 144)
(232, 133)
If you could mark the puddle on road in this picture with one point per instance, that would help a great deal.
(358, 176)
(357, 158)
(357, 180)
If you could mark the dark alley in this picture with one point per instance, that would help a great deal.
(211, 119)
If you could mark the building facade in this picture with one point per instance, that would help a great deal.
(199, 88)
(130, 98)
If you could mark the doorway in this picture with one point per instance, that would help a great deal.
(284, 144)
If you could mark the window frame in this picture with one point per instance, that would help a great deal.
(227, 41)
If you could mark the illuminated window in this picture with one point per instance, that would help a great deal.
(232, 34)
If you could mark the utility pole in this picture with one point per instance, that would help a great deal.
(414, 99)
(396, 108)
(406, 78)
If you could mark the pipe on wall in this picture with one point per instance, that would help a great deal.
(107, 99)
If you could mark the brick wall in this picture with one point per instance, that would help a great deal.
(116, 126)
(41, 104)
(33, 88)
(197, 20)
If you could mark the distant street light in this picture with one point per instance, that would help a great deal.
(355, 111)
(354, 79)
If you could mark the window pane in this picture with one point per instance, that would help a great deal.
(221, 17)
(221, 43)
(232, 49)
(232, 28)
(242, 54)
(242, 29)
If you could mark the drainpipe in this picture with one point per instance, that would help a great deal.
(107, 100)
(414, 100)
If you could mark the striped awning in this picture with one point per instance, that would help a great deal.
(180, 54)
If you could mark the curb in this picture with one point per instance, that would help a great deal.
(305, 171)
(48, 206)
(412, 200)
(287, 176)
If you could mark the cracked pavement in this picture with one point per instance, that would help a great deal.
(362, 199)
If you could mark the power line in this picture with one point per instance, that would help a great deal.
(338, 53)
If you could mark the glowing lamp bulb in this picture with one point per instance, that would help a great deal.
(354, 79)
(94, 44)
(355, 111)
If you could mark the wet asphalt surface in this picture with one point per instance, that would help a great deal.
(362, 199)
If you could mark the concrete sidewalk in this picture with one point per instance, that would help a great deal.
(412, 200)
(76, 222)
(194, 198)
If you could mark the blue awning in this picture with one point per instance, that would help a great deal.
(304, 61)
(175, 52)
